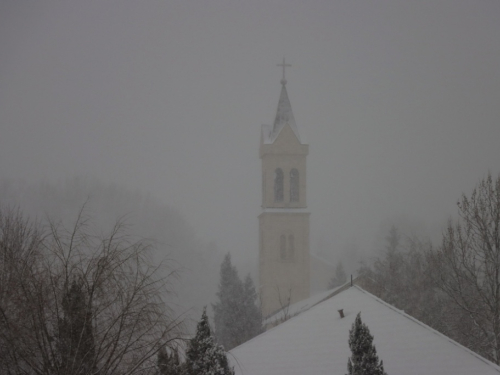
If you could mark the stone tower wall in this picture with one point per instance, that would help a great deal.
(283, 226)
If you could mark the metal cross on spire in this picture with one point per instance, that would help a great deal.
(284, 65)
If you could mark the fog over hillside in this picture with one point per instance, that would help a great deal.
(162, 103)
(173, 240)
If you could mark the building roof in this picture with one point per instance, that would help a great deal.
(284, 115)
(316, 342)
(301, 306)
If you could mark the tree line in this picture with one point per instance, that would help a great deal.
(237, 319)
(204, 356)
(453, 287)
(74, 301)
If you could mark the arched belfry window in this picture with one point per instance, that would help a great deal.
(283, 247)
(278, 185)
(294, 185)
(291, 247)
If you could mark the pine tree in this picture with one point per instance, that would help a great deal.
(204, 356)
(228, 310)
(237, 318)
(364, 359)
(76, 340)
(252, 321)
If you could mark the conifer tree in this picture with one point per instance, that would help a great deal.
(252, 322)
(364, 359)
(76, 340)
(228, 310)
(77, 304)
(236, 315)
(204, 356)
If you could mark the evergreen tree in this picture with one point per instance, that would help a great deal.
(364, 359)
(169, 364)
(252, 320)
(237, 318)
(204, 356)
(77, 304)
(76, 339)
(339, 278)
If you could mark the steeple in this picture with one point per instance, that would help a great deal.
(284, 267)
(284, 114)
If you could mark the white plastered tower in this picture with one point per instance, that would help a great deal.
(284, 272)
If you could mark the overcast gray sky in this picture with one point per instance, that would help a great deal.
(398, 100)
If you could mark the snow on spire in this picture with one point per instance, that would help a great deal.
(284, 114)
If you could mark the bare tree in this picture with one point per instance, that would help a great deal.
(468, 268)
(81, 304)
(19, 251)
(401, 278)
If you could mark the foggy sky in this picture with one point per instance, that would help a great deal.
(398, 100)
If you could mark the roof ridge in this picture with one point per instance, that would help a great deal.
(422, 324)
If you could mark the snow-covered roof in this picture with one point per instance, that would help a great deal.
(284, 115)
(286, 210)
(266, 134)
(316, 342)
(301, 306)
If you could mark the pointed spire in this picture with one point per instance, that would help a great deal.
(284, 114)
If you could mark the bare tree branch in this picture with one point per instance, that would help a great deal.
(74, 302)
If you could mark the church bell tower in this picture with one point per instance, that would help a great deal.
(284, 222)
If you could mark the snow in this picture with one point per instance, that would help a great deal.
(284, 115)
(285, 210)
(301, 306)
(266, 134)
(316, 342)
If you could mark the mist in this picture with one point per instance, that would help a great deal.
(398, 102)
(190, 265)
